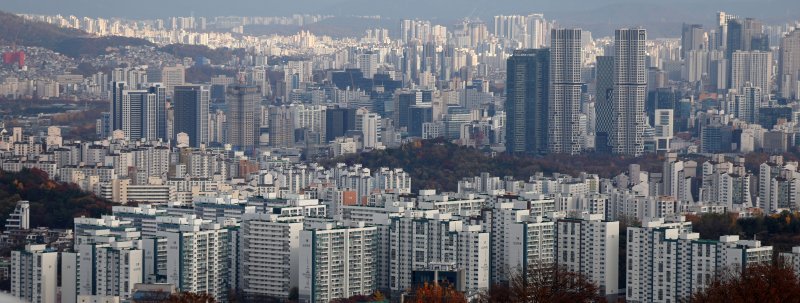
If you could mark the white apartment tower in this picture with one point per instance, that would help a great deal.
(369, 124)
(664, 129)
(789, 66)
(590, 245)
(754, 67)
(33, 274)
(520, 238)
(20, 217)
(270, 247)
(630, 85)
(368, 64)
(778, 185)
(668, 263)
(197, 255)
(336, 261)
(421, 240)
(108, 268)
(564, 134)
(173, 76)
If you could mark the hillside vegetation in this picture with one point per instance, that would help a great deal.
(438, 164)
(70, 42)
(52, 204)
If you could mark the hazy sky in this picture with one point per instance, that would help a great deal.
(586, 13)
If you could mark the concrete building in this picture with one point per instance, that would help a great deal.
(270, 254)
(33, 274)
(336, 261)
(664, 127)
(789, 66)
(668, 263)
(173, 76)
(20, 217)
(521, 237)
(242, 119)
(630, 84)
(420, 240)
(590, 245)
(753, 67)
(197, 255)
(564, 135)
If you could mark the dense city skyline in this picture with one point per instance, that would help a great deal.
(602, 16)
(612, 151)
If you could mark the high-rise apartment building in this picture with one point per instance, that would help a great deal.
(33, 274)
(369, 124)
(590, 245)
(777, 185)
(281, 126)
(269, 254)
(190, 109)
(116, 105)
(564, 134)
(743, 35)
(692, 38)
(108, 268)
(529, 31)
(173, 76)
(424, 240)
(753, 67)
(242, 118)
(789, 66)
(336, 261)
(527, 99)
(368, 64)
(668, 263)
(630, 85)
(140, 114)
(197, 255)
(521, 237)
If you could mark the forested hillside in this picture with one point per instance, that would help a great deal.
(52, 204)
(70, 42)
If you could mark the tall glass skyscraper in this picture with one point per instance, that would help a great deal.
(190, 108)
(527, 97)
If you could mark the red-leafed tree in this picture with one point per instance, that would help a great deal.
(766, 283)
(436, 293)
(548, 283)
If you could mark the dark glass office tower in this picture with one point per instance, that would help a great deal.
(527, 97)
(603, 106)
(190, 108)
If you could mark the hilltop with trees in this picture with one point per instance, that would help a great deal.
(70, 42)
(439, 164)
(52, 204)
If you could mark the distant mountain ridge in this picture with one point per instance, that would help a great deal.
(70, 42)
